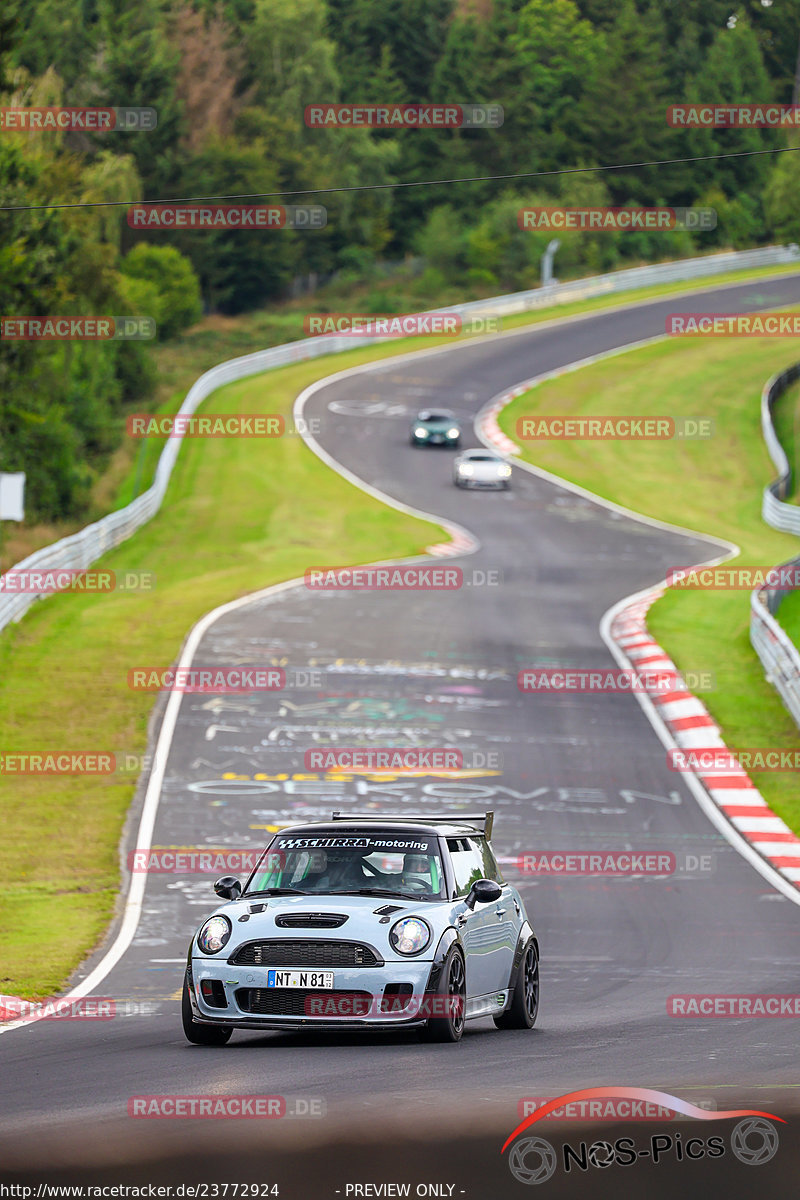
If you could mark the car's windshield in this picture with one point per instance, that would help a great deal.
(435, 416)
(397, 864)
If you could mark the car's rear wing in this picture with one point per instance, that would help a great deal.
(482, 822)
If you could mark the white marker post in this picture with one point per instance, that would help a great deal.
(12, 498)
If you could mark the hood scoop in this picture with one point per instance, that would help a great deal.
(310, 920)
(386, 910)
(254, 908)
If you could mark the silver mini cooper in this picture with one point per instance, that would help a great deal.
(366, 922)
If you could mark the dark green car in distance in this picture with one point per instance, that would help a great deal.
(435, 428)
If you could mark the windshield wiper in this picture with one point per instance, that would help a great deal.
(370, 891)
(278, 891)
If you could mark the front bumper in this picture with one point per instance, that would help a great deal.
(469, 481)
(310, 1008)
(435, 439)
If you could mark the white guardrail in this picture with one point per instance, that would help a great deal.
(778, 653)
(81, 550)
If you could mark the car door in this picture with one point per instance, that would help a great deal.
(481, 929)
(507, 915)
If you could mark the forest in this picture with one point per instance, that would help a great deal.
(583, 84)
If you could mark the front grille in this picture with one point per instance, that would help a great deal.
(316, 920)
(294, 1002)
(308, 952)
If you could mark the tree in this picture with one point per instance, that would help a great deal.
(57, 34)
(209, 76)
(177, 286)
(733, 69)
(780, 198)
(414, 31)
(108, 180)
(136, 66)
(622, 114)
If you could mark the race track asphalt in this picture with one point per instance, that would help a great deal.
(579, 771)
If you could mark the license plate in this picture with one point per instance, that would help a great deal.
(300, 979)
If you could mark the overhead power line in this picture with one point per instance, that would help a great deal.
(374, 187)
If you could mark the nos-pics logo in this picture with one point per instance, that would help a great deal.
(533, 1159)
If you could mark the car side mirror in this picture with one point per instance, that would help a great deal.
(483, 891)
(228, 887)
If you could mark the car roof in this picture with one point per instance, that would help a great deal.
(383, 825)
(477, 452)
(427, 414)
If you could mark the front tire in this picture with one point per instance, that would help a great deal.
(197, 1034)
(453, 988)
(524, 1007)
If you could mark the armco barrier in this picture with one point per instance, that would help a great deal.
(778, 654)
(82, 549)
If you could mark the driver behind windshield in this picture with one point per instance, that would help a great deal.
(328, 871)
(335, 869)
(416, 874)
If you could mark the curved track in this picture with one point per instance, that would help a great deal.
(578, 772)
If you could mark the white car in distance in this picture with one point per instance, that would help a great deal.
(481, 469)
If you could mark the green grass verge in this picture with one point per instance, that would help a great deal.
(713, 485)
(229, 526)
(240, 514)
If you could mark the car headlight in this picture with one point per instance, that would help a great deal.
(420, 431)
(452, 433)
(214, 935)
(465, 469)
(504, 472)
(409, 935)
